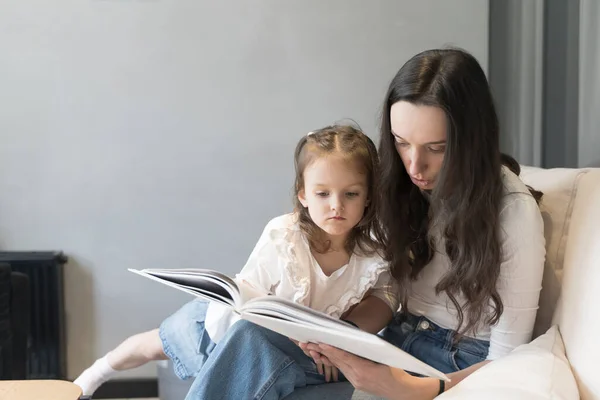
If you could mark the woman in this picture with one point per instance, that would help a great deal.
(463, 236)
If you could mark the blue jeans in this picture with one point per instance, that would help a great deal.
(184, 339)
(251, 362)
(433, 345)
(278, 368)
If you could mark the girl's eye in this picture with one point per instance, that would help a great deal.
(401, 144)
(322, 194)
(351, 194)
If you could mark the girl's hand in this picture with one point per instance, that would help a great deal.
(324, 367)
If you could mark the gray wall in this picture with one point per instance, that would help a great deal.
(561, 83)
(589, 83)
(544, 58)
(515, 72)
(160, 134)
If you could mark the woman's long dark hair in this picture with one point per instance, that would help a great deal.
(464, 206)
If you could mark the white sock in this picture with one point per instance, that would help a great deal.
(94, 376)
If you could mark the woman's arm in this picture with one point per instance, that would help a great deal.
(521, 271)
(381, 380)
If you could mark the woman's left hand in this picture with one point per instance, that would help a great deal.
(366, 375)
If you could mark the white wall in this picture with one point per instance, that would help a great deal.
(160, 133)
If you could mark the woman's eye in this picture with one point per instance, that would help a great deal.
(322, 194)
(437, 149)
(401, 144)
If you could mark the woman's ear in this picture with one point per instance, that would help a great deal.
(302, 198)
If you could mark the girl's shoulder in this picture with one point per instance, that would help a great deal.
(283, 228)
(370, 260)
(284, 222)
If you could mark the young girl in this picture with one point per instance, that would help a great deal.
(323, 256)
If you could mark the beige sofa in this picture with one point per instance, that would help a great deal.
(570, 300)
(571, 288)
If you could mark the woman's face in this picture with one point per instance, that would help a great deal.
(420, 134)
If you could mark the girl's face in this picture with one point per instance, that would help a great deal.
(335, 193)
(420, 134)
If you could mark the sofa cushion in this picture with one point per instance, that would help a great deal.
(559, 186)
(538, 370)
(578, 311)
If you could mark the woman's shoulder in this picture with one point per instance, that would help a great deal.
(518, 204)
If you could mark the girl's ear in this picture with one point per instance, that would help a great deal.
(302, 198)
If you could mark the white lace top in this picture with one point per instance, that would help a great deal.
(282, 264)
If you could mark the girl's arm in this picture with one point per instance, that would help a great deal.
(377, 307)
(371, 315)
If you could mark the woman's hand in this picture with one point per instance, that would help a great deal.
(377, 379)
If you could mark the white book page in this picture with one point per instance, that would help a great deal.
(207, 288)
(362, 344)
(288, 310)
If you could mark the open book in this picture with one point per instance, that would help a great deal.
(286, 317)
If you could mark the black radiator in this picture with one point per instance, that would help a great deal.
(46, 343)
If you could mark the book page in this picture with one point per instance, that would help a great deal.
(209, 285)
(279, 307)
(354, 341)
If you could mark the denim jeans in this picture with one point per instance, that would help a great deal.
(433, 345)
(184, 339)
(251, 362)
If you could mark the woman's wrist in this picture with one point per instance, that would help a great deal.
(415, 388)
(423, 388)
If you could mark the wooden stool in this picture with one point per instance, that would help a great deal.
(39, 390)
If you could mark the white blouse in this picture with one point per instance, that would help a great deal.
(519, 283)
(283, 265)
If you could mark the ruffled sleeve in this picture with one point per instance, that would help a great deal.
(386, 289)
(369, 274)
(261, 270)
(277, 263)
